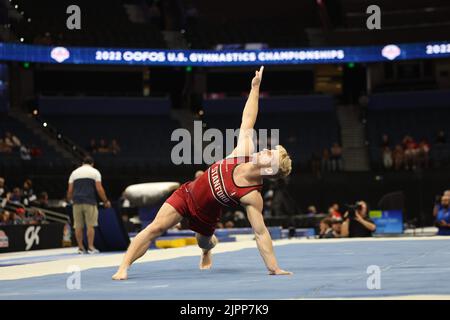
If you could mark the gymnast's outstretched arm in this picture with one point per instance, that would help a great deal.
(245, 145)
(253, 204)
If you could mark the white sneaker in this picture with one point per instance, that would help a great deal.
(81, 251)
(93, 251)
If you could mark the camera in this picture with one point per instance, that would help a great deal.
(352, 208)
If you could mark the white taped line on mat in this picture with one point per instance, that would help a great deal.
(111, 260)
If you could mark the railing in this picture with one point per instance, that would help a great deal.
(48, 215)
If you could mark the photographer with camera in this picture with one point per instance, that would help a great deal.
(356, 222)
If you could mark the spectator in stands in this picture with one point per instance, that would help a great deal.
(12, 141)
(337, 227)
(84, 184)
(336, 157)
(411, 150)
(16, 196)
(24, 153)
(103, 147)
(326, 230)
(387, 158)
(4, 147)
(311, 211)
(92, 148)
(28, 194)
(4, 217)
(358, 224)
(326, 163)
(3, 188)
(441, 137)
(399, 157)
(42, 200)
(443, 217)
(423, 152)
(114, 147)
(333, 211)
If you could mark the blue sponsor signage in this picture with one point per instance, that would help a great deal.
(388, 221)
(211, 58)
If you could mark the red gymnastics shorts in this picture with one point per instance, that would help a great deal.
(182, 202)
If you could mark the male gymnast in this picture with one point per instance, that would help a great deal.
(235, 180)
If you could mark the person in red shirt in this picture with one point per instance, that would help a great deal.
(235, 180)
(411, 150)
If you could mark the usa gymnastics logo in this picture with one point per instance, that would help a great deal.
(60, 54)
(391, 52)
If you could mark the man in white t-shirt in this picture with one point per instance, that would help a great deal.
(85, 183)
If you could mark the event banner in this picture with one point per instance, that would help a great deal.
(31, 237)
(388, 221)
(211, 58)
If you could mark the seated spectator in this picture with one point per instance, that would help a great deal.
(398, 157)
(333, 212)
(92, 148)
(4, 217)
(326, 163)
(3, 188)
(11, 140)
(114, 147)
(423, 152)
(411, 149)
(4, 148)
(28, 195)
(359, 224)
(336, 157)
(36, 217)
(41, 201)
(337, 227)
(387, 158)
(441, 138)
(326, 230)
(16, 196)
(443, 217)
(311, 211)
(103, 147)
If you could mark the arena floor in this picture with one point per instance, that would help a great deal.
(411, 268)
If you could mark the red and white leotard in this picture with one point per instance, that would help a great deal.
(202, 201)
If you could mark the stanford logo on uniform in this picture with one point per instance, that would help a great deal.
(217, 185)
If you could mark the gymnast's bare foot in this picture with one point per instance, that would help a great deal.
(206, 261)
(120, 275)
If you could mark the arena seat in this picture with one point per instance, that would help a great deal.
(309, 122)
(419, 114)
